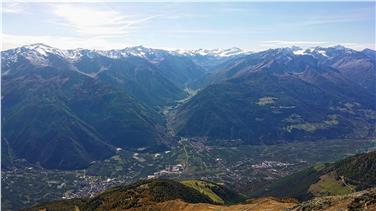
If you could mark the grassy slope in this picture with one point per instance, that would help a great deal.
(295, 185)
(217, 193)
(343, 177)
(256, 205)
(204, 188)
(62, 205)
(330, 185)
(150, 192)
(146, 192)
(359, 170)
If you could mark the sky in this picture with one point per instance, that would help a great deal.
(189, 25)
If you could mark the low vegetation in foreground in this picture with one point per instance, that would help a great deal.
(346, 176)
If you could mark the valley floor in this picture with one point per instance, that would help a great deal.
(253, 167)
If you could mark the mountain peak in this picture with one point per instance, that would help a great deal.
(37, 45)
(138, 47)
(368, 49)
(339, 47)
(287, 51)
(295, 48)
(43, 49)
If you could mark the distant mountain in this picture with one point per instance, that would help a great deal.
(213, 52)
(370, 53)
(210, 60)
(67, 108)
(155, 77)
(58, 116)
(135, 76)
(355, 173)
(279, 95)
(175, 67)
(359, 67)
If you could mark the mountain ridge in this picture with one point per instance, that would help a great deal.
(252, 91)
(141, 51)
(118, 98)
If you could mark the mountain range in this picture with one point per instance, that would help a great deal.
(285, 94)
(66, 108)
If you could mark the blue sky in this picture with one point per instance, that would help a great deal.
(248, 25)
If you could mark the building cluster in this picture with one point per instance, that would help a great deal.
(170, 169)
(269, 164)
(91, 186)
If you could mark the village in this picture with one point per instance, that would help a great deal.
(169, 170)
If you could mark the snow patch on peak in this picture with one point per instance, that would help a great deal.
(138, 51)
(311, 51)
(322, 52)
(218, 52)
(299, 52)
(43, 49)
(73, 54)
(37, 54)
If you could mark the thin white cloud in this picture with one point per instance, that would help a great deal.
(216, 31)
(360, 46)
(90, 21)
(314, 20)
(15, 8)
(334, 19)
(12, 41)
(295, 42)
(305, 44)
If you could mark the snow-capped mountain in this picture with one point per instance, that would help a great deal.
(133, 68)
(218, 52)
(152, 55)
(35, 53)
(38, 53)
(324, 52)
(301, 87)
(113, 98)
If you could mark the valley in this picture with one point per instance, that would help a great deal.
(165, 194)
(78, 122)
(245, 168)
(188, 106)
